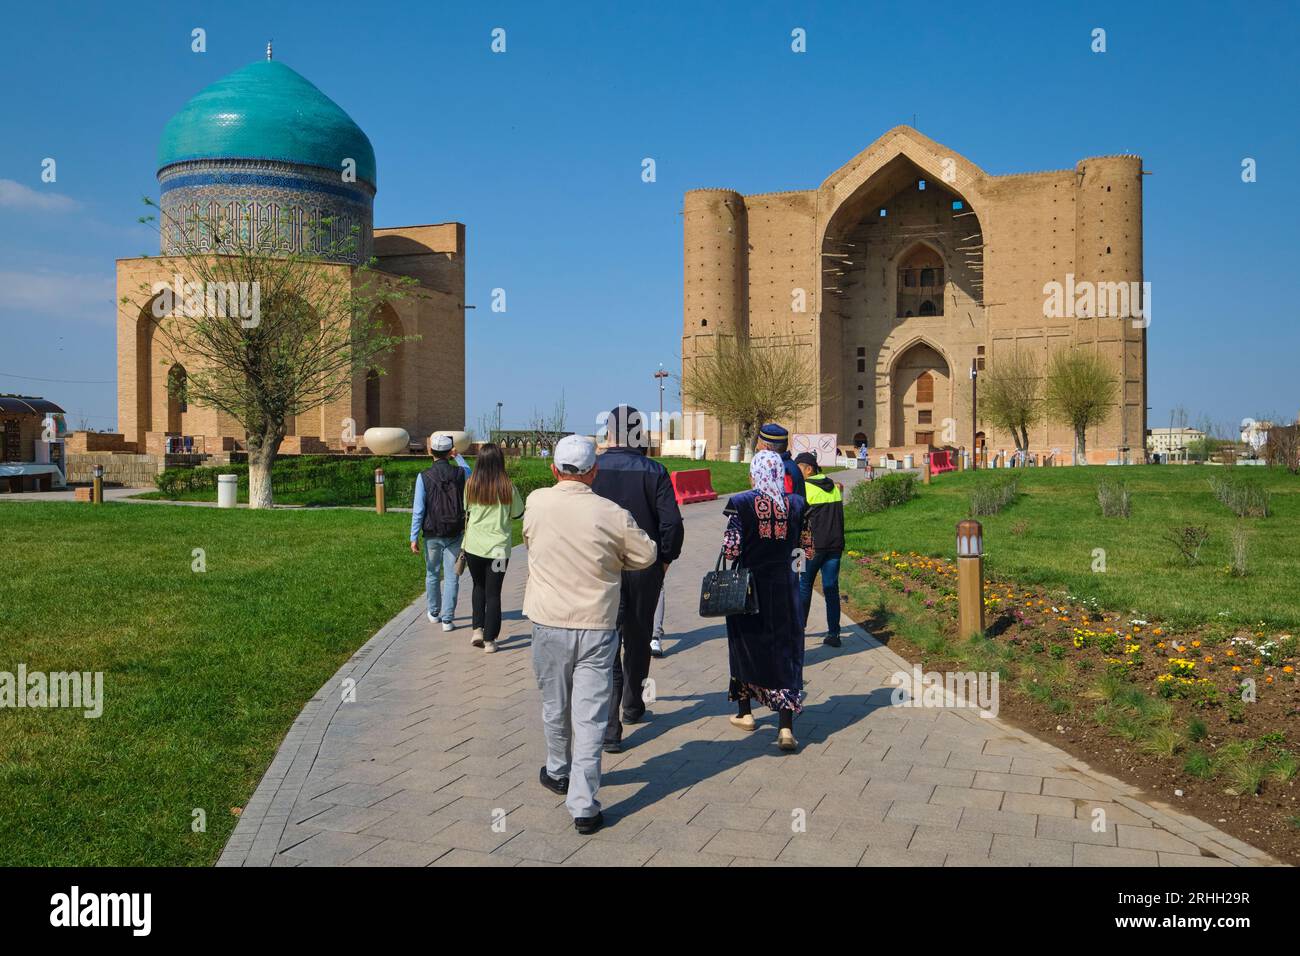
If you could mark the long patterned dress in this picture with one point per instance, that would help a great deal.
(765, 650)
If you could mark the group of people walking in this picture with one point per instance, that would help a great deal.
(600, 542)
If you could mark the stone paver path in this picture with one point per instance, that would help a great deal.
(436, 760)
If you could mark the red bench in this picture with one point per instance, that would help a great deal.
(691, 486)
(941, 461)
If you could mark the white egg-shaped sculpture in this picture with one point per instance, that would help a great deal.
(386, 441)
(460, 440)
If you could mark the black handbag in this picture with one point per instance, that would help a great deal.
(727, 591)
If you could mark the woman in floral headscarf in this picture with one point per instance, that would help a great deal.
(766, 649)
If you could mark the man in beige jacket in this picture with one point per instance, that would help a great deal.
(579, 545)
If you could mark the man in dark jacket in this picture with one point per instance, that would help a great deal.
(775, 438)
(825, 519)
(626, 475)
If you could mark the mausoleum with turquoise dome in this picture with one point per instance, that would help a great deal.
(265, 155)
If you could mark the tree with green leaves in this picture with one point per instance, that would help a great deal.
(266, 334)
(1080, 389)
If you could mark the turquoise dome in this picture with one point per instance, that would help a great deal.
(267, 111)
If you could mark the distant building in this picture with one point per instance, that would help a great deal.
(31, 442)
(1255, 434)
(1172, 441)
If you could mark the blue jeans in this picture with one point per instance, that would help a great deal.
(828, 563)
(441, 583)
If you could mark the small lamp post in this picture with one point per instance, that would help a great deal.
(97, 486)
(925, 464)
(970, 578)
(381, 507)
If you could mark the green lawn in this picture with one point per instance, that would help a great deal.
(1048, 536)
(312, 480)
(203, 672)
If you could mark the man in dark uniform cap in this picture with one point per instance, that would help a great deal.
(775, 438)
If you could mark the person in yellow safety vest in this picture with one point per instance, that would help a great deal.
(825, 520)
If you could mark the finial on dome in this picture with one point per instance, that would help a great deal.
(268, 49)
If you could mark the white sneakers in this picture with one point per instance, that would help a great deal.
(656, 647)
(432, 619)
(476, 637)
(448, 626)
(489, 647)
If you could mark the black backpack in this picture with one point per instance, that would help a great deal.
(444, 501)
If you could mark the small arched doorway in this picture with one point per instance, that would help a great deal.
(177, 399)
(920, 395)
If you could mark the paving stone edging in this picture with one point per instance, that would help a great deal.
(265, 816)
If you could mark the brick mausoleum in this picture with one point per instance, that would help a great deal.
(906, 266)
(265, 151)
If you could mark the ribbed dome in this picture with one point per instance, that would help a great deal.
(267, 111)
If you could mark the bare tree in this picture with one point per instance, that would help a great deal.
(1283, 447)
(301, 327)
(548, 429)
(1080, 389)
(1009, 396)
(746, 385)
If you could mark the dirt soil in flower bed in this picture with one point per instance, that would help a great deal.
(1068, 669)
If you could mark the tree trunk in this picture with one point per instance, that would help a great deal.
(1081, 447)
(262, 453)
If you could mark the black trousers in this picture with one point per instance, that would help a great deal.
(636, 616)
(486, 602)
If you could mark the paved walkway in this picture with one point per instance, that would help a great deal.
(436, 763)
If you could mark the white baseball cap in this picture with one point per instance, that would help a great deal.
(440, 443)
(575, 455)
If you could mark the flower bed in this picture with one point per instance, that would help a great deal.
(1209, 714)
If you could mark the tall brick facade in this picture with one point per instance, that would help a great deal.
(903, 268)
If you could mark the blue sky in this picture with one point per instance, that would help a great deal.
(539, 152)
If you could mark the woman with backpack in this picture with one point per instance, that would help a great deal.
(491, 503)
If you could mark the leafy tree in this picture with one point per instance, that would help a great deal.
(1008, 396)
(746, 385)
(1080, 388)
(265, 334)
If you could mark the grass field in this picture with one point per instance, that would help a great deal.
(203, 672)
(1050, 535)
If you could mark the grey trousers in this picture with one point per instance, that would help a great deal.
(575, 671)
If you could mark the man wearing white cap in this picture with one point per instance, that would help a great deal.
(579, 545)
(438, 511)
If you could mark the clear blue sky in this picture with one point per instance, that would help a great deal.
(539, 152)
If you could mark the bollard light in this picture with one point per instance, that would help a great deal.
(97, 486)
(925, 461)
(970, 578)
(381, 506)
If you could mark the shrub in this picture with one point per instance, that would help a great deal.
(885, 492)
(1113, 496)
(1240, 550)
(1188, 541)
(1243, 494)
(991, 495)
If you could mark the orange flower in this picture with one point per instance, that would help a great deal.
(1196, 643)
